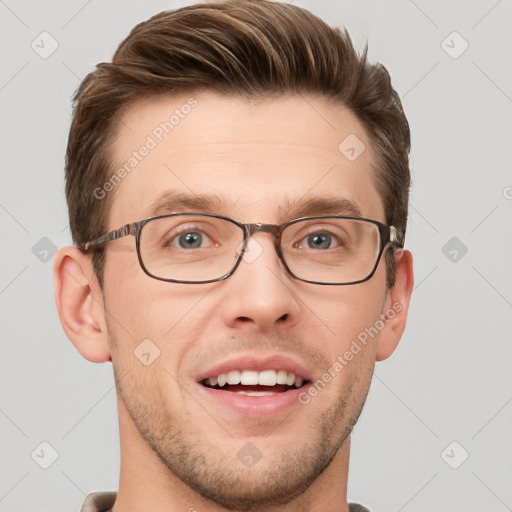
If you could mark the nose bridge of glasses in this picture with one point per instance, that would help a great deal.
(258, 227)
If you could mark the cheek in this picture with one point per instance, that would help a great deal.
(347, 311)
(167, 319)
(352, 341)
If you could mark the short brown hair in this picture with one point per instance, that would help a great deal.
(242, 48)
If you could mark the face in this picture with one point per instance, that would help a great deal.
(257, 162)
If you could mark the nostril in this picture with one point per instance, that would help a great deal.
(283, 318)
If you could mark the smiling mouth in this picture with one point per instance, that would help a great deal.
(254, 383)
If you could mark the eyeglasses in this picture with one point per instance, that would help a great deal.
(204, 248)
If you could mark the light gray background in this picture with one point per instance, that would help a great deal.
(450, 379)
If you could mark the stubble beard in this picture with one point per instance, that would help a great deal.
(217, 474)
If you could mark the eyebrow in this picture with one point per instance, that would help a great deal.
(172, 201)
(320, 205)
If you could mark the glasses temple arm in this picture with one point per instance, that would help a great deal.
(128, 229)
(396, 237)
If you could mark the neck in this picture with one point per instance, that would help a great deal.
(145, 483)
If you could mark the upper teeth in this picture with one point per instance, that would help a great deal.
(253, 378)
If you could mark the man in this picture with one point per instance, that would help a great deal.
(237, 181)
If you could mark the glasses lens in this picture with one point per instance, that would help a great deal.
(190, 247)
(331, 250)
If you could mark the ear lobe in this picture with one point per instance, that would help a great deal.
(80, 304)
(396, 305)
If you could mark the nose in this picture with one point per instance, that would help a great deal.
(260, 293)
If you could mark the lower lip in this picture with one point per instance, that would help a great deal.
(256, 405)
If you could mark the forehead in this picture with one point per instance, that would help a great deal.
(255, 160)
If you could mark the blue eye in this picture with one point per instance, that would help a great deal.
(319, 241)
(189, 240)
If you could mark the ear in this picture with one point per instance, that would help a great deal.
(80, 304)
(396, 305)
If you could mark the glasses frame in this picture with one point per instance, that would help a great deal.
(388, 235)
